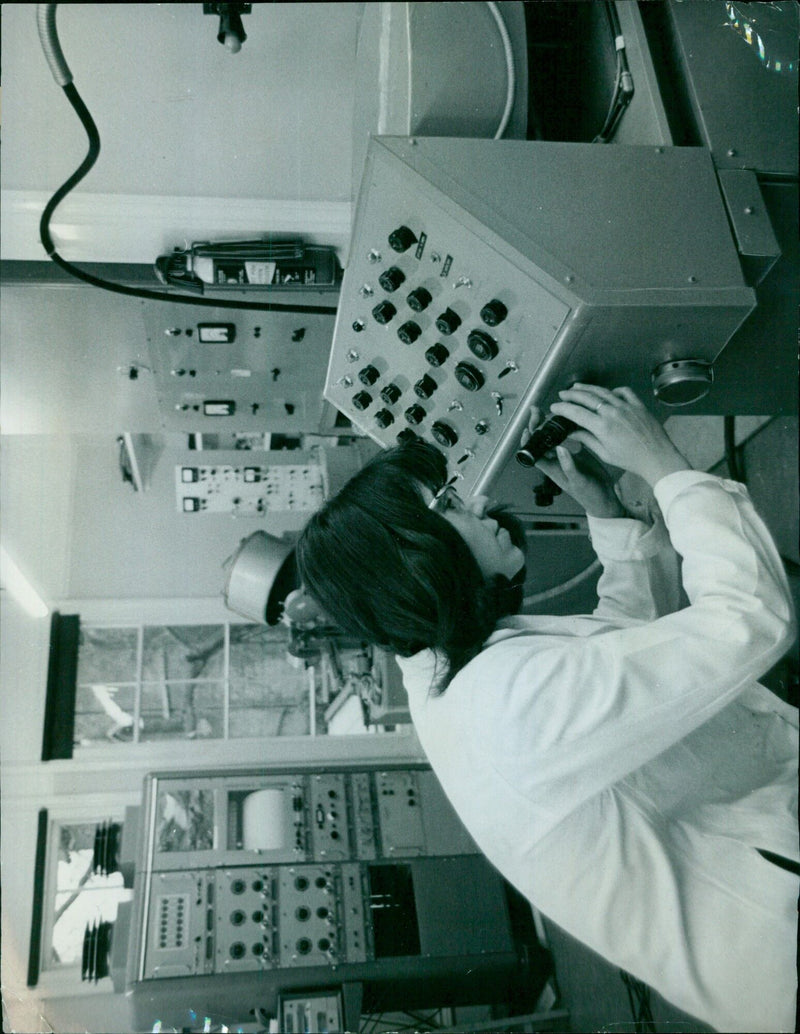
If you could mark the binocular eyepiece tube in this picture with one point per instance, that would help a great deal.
(552, 433)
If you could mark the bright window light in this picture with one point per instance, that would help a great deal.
(15, 582)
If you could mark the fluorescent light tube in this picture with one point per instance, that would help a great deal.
(20, 588)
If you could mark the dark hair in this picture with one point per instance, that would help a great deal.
(390, 571)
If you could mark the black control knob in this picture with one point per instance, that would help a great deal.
(545, 492)
(437, 354)
(407, 435)
(481, 344)
(390, 279)
(383, 418)
(493, 312)
(415, 414)
(390, 394)
(425, 387)
(401, 239)
(362, 399)
(469, 376)
(368, 375)
(420, 298)
(444, 434)
(552, 433)
(448, 322)
(409, 332)
(383, 312)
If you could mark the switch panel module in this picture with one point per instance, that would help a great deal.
(484, 275)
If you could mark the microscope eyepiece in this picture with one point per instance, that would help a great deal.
(552, 433)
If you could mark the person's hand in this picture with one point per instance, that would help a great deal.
(579, 474)
(618, 429)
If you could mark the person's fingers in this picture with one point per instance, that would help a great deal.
(479, 504)
(552, 469)
(534, 419)
(590, 395)
(581, 414)
(566, 461)
(587, 439)
(628, 395)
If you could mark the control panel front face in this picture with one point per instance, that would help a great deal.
(236, 920)
(250, 371)
(256, 872)
(295, 818)
(248, 484)
(438, 334)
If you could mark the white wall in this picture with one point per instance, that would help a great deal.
(66, 353)
(196, 142)
(178, 114)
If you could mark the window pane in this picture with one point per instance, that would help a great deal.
(183, 652)
(82, 897)
(182, 710)
(107, 655)
(104, 712)
(268, 688)
(185, 820)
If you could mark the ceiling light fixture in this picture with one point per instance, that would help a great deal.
(12, 579)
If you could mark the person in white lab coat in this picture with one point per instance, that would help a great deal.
(624, 770)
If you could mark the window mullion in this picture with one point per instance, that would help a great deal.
(51, 885)
(137, 700)
(312, 700)
(226, 684)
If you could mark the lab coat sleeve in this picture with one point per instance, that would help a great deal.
(569, 716)
(641, 577)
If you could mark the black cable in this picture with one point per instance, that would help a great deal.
(419, 1023)
(740, 447)
(640, 1008)
(429, 1022)
(377, 1021)
(601, 137)
(735, 470)
(137, 292)
(623, 85)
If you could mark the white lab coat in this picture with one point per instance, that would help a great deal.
(621, 769)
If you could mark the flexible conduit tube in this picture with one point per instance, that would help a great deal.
(511, 75)
(46, 24)
(48, 35)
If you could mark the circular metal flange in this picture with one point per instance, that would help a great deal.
(679, 382)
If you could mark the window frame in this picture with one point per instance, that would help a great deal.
(224, 680)
(51, 980)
